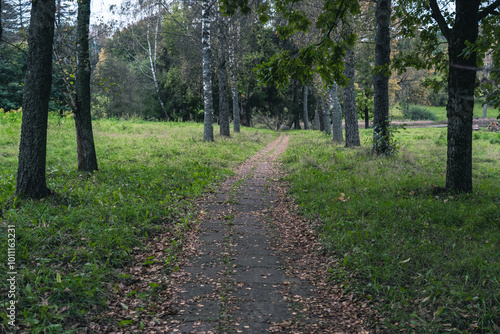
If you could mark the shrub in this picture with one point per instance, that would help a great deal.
(416, 113)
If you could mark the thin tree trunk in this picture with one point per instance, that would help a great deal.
(223, 102)
(31, 180)
(336, 109)
(367, 118)
(234, 81)
(488, 68)
(296, 108)
(381, 138)
(87, 159)
(350, 112)
(152, 52)
(306, 113)
(208, 130)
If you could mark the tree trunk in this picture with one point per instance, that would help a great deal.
(295, 106)
(367, 118)
(208, 130)
(33, 146)
(234, 81)
(488, 64)
(152, 52)
(321, 115)
(306, 113)
(87, 159)
(460, 108)
(350, 112)
(336, 109)
(381, 138)
(223, 101)
(326, 119)
(316, 125)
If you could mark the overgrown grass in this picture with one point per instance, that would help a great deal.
(429, 260)
(70, 247)
(440, 112)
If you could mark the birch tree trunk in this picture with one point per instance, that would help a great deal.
(306, 113)
(350, 112)
(223, 102)
(152, 53)
(208, 129)
(31, 180)
(234, 79)
(87, 159)
(381, 143)
(334, 106)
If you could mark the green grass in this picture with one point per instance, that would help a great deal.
(149, 173)
(440, 112)
(428, 260)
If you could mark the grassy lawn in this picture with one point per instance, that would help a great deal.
(430, 261)
(440, 112)
(70, 247)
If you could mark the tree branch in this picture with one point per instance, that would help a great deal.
(488, 10)
(438, 16)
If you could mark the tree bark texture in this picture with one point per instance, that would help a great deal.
(234, 81)
(208, 129)
(316, 125)
(223, 101)
(87, 159)
(306, 112)
(460, 108)
(381, 78)
(350, 112)
(336, 110)
(31, 180)
(326, 119)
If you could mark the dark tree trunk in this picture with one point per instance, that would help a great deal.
(223, 101)
(319, 110)
(234, 81)
(350, 112)
(87, 159)
(381, 143)
(208, 129)
(460, 108)
(306, 112)
(296, 107)
(367, 118)
(33, 146)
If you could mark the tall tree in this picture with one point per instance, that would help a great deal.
(223, 101)
(234, 32)
(31, 180)
(87, 159)
(350, 112)
(208, 130)
(381, 144)
(460, 28)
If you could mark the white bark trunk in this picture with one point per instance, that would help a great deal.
(208, 130)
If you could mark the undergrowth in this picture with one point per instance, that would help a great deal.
(428, 259)
(71, 246)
